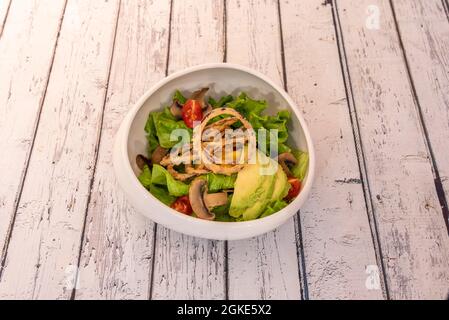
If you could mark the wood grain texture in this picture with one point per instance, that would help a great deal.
(26, 54)
(4, 9)
(186, 267)
(117, 249)
(412, 232)
(45, 241)
(265, 267)
(336, 235)
(424, 30)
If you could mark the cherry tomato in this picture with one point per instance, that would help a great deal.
(191, 111)
(295, 187)
(182, 204)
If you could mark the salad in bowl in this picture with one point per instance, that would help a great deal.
(221, 158)
(216, 151)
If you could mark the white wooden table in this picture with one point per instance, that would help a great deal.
(370, 76)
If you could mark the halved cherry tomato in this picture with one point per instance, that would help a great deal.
(191, 111)
(295, 187)
(182, 204)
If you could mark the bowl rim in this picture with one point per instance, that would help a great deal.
(275, 219)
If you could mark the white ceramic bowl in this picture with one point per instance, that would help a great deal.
(221, 78)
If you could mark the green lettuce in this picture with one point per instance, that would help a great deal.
(160, 124)
(145, 177)
(300, 169)
(150, 129)
(222, 212)
(160, 176)
(217, 182)
(164, 124)
(273, 207)
(159, 192)
(178, 96)
(220, 103)
(162, 195)
(252, 111)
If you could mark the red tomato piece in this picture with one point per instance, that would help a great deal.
(295, 187)
(182, 204)
(191, 112)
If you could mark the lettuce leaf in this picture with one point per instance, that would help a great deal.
(160, 124)
(178, 96)
(273, 207)
(150, 129)
(220, 103)
(162, 195)
(217, 182)
(222, 212)
(159, 192)
(160, 176)
(252, 111)
(145, 177)
(165, 123)
(278, 122)
(300, 169)
(249, 108)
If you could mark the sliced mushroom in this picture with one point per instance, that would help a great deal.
(287, 159)
(212, 200)
(141, 161)
(202, 201)
(176, 110)
(199, 95)
(158, 154)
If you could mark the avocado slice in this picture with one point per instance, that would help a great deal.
(252, 192)
(281, 185)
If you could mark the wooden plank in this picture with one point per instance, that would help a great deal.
(117, 251)
(335, 229)
(187, 267)
(26, 51)
(412, 231)
(4, 9)
(424, 31)
(265, 267)
(45, 241)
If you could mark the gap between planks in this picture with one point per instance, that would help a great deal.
(358, 143)
(302, 274)
(167, 61)
(4, 12)
(437, 178)
(402, 273)
(45, 98)
(97, 147)
(4, 252)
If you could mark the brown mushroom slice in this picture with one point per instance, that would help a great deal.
(199, 95)
(158, 154)
(287, 159)
(141, 161)
(197, 188)
(176, 110)
(212, 200)
(202, 201)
